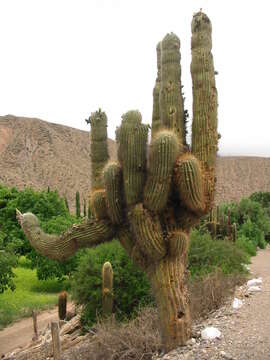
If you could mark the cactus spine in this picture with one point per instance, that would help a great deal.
(107, 289)
(62, 305)
(151, 207)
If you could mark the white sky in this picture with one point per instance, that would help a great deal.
(60, 60)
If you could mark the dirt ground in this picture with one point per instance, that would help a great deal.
(21, 332)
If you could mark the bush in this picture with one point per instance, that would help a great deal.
(207, 255)
(251, 231)
(130, 286)
(7, 262)
(245, 244)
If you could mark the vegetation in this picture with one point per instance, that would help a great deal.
(30, 294)
(54, 217)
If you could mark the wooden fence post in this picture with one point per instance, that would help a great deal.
(34, 315)
(56, 340)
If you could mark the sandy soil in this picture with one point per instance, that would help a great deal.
(21, 332)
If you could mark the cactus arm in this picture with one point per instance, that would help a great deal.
(98, 204)
(170, 98)
(61, 247)
(148, 233)
(133, 141)
(165, 148)
(99, 147)
(178, 243)
(204, 125)
(113, 183)
(189, 182)
(156, 121)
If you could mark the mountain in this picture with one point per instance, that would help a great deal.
(39, 154)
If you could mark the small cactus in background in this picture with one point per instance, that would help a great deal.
(78, 205)
(62, 305)
(107, 289)
(84, 208)
(219, 227)
(66, 203)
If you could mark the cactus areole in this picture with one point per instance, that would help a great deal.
(151, 203)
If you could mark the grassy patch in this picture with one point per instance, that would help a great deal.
(30, 294)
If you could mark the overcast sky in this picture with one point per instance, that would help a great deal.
(60, 60)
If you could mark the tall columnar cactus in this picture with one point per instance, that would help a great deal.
(107, 289)
(151, 208)
(78, 204)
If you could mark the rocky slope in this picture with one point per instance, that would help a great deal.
(40, 154)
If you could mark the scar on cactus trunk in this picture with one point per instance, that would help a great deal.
(150, 200)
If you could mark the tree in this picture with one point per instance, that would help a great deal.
(151, 210)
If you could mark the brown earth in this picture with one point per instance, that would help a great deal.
(39, 154)
(21, 332)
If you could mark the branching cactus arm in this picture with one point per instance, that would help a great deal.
(61, 247)
(151, 207)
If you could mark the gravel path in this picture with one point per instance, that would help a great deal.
(245, 332)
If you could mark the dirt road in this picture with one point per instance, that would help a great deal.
(21, 332)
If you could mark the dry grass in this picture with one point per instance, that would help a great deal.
(209, 293)
(139, 339)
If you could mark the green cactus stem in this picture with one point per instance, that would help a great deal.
(62, 305)
(113, 182)
(107, 289)
(98, 204)
(61, 247)
(170, 97)
(148, 232)
(156, 120)
(189, 180)
(204, 125)
(133, 140)
(178, 243)
(234, 232)
(164, 150)
(78, 204)
(98, 147)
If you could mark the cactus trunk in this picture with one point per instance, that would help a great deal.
(168, 285)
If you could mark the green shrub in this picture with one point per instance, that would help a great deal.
(207, 255)
(131, 289)
(251, 231)
(245, 244)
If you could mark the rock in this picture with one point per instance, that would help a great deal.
(254, 282)
(254, 289)
(210, 333)
(237, 303)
